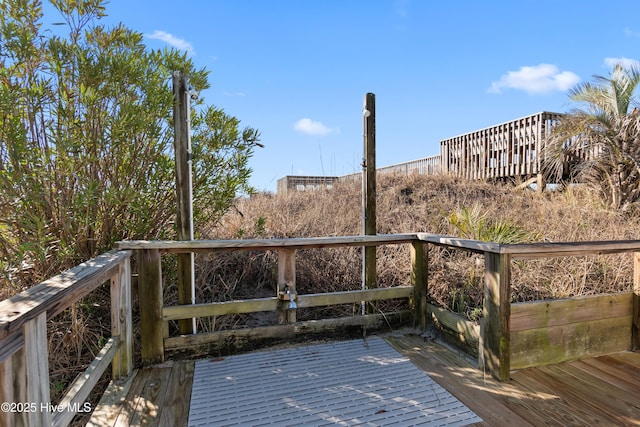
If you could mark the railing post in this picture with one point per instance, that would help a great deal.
(287, 286)
(635, 329)
(150, 297)
(419, 281)
(31, 374)
(495, 351)
(121, 323)
(24, 378)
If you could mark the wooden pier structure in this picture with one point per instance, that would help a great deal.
(510, 150)
(565, 362)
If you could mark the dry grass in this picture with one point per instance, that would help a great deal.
(405, 204)
(413, 204)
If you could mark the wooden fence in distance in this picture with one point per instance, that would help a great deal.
(507, 150)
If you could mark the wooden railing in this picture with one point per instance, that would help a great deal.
(24, 376)
(495, 334)
(154, 315)
(24, 370)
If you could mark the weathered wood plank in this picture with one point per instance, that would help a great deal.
(150, 285)
(563, 410)
(244, 339)
(561, 249)
(600, 394)
(266, 244)
(111, 403)
(82, 386)
(11, 344)
(133, 401)
(56, 294)
(148, 408)
(271, 304)
(466, 333)
(175, 408)
(454, 242)
(556, 344)
(542, 314)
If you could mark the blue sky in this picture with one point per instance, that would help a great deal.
(298, 70)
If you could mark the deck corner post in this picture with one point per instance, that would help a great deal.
(495, 339)
(419, 281)
(635, 327)
(150, 301)
(286, 286)
(121, 320)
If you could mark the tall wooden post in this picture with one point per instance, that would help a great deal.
(184, 220)
(369, 189)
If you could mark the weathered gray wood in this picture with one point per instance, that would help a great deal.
(184, 216)
(76, 398)
(121, 320)
(419, 281)
(271, 304)
(6, 390)
(454, 242)
(369, 227)
(266, 244)
(56, 294)
(247, 339)
(110, 405)
(286, 286)
(36, 356)
(497, 312)
(561, 249)
(10, 345)
(465, 332)
(635, 333)
(150, 291)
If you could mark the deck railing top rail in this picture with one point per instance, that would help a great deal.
(266, 244)
(520, 250)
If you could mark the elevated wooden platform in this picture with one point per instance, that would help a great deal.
(596, 391)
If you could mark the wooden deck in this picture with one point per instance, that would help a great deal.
(595, 391)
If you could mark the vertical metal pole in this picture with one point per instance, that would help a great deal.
(184, 220)
(369, 190)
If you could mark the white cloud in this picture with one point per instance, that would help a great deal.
(631, 33)
(310, 127)
(626, 62)
(536, 79)
(226, 93)
(172, 40)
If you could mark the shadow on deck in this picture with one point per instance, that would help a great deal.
(594, 391)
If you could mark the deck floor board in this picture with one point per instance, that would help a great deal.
(595, 391)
